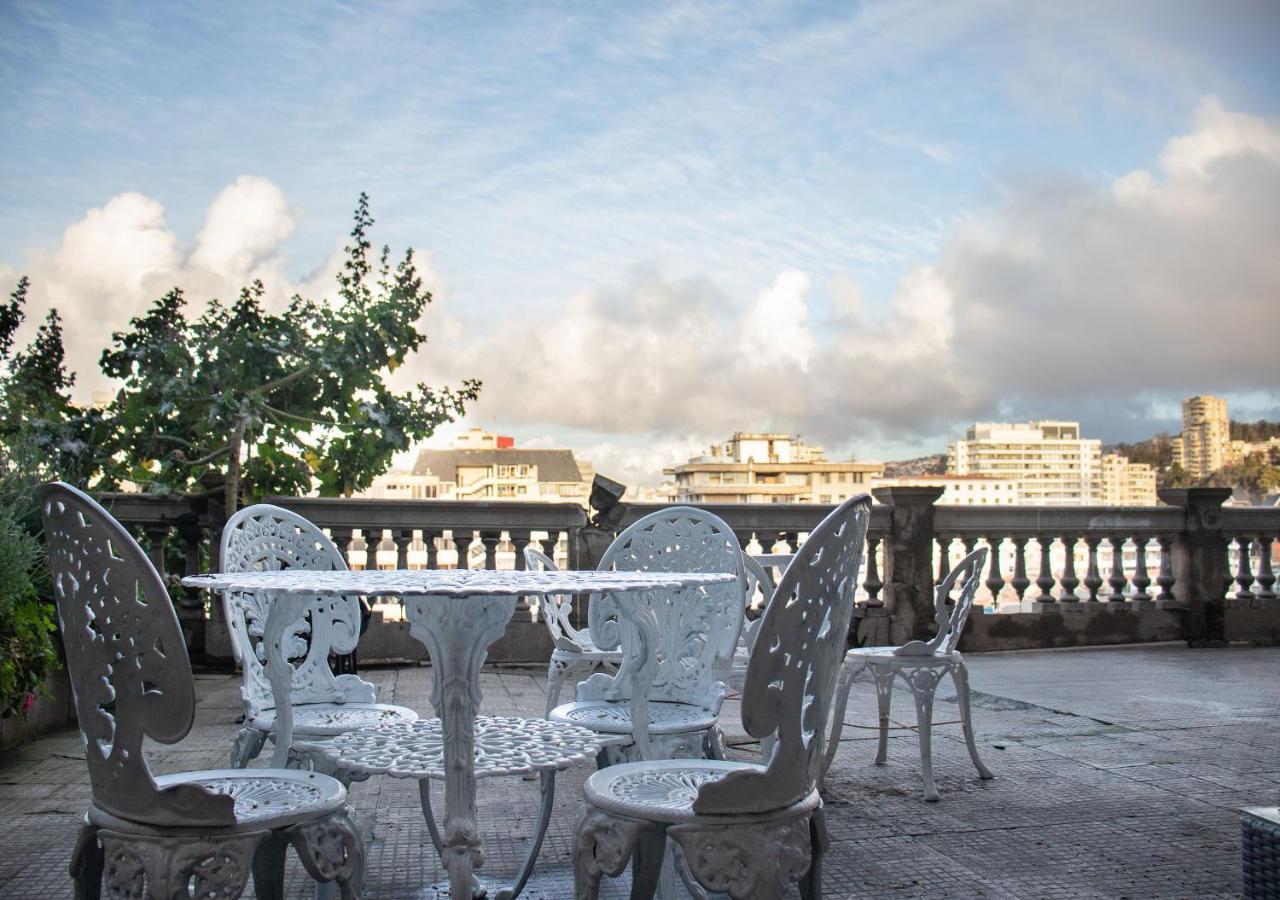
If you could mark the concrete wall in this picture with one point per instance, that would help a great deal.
(57, 710)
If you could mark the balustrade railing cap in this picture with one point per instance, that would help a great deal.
(1196, 496)
(904, 495)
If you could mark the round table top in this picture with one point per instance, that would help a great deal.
(450, 582)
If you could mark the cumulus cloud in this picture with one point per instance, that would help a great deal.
(121, 256)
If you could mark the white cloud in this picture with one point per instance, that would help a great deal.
(1066, 297)
(113, 263)
(245, 226)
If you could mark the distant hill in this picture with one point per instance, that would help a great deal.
(1156, 452)
(934, 464)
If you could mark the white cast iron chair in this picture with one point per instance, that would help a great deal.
(757, 579)
(921, 665)
(268, 538)
(695, 641)
(158, 837)
(573, 656)
(744, 829)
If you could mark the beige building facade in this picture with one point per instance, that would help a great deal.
(769, 467)
(1047, 459)
(481, 465)
(1126, 483)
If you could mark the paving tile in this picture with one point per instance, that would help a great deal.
(1118, 775)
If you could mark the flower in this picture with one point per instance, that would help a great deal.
(28, 702)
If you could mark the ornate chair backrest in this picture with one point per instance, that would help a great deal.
(267, 538)
(758, 578)
(127, 659)
(696, 640)
(950, 618)
(799, 646)
(555, 608)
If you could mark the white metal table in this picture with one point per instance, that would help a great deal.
(457, 614)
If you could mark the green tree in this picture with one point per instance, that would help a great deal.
(268, 403)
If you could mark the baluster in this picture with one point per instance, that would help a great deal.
(490, 540)
(944, 557)
(156, 535)
(873, 584)
(1117, 579)
(1020, 582)
(429, 539)
(1044, 581)
(1141, 579)
(402, 537)
(462, 540)
(521, 540)
(1069, 580)
(549, 544)
(1244, 570)
(1165, 579)
(969, 542)
(1093, 578)
(1266, 577)
(341, 538)
(792, 540)
(995, 580)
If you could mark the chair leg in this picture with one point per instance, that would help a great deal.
(87, 860)
(960, 675)
(556, 669)
(268, 866)
(647, 863)
(924, 683)
(847, 672)
(811, 882)
(714, 743)
(884, 698)
(247, 745)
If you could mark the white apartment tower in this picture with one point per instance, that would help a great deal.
(1206, 436)
(1051, 464)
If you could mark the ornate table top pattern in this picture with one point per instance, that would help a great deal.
(450, 582)
(504, 745)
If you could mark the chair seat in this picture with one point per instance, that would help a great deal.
(335, 718)
(664, 790)
(614, 716)
(885, 656)
(588, 652)
(504, 745)
(262, 801)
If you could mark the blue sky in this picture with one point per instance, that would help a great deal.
(648, 224)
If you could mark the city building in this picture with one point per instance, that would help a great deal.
(481, 465)
(1205, 445)
(1126, 483)
(1048, 460)
(769, 468)
(960, 490)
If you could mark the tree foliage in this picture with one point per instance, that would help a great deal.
(240, 399)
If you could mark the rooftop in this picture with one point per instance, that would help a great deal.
(1118, 774)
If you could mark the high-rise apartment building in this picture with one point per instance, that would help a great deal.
(1126, 483)
(1206, 436)
(769, 468)
(1051, 464)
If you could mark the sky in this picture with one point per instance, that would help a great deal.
(649, 225)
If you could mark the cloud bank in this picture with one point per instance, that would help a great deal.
(1058, 295)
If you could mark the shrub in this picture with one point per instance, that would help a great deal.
(26, 621)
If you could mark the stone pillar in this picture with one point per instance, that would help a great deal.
(1200, 562)
(908, 560)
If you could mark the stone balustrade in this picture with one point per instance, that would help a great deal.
(1189, 569)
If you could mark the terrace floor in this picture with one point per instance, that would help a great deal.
(1118, 775)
